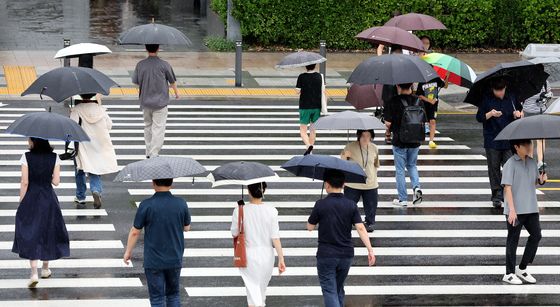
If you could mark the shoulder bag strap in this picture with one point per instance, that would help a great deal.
(240, 217)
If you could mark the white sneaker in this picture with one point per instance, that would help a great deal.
(33, 281)
(524, 275)
(417, 196)
(46, 273)
(397, 202)
(512, 279)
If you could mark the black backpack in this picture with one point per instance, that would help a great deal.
(411, 130)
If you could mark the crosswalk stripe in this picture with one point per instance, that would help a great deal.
(382, 290)
(81, 244)
(69, 263)
(80, 302)
(222, 106)
(70, 227)
(65, 212)
(74, 283)
(416, 233)
(377, 270)
(383, 251)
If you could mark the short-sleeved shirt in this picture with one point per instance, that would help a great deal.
(429, 90)
(368, 159)
(394, 114)
(163, 216)
(23, 160)
(153, 75)
(335, 215)
(311, 86)
(522, 176)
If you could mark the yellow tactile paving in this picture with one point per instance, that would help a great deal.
(18, 78)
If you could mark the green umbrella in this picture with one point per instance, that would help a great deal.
(459, 72)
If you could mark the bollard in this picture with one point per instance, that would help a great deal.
(323, 52)
(238, 64)
(66, 60)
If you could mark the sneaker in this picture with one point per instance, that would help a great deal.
(33, 281)
(512, 279)
(497, 204)
(309, 150)
(400, 203)
(96, 200)
(432, 145)
(525, 276)
(46, 273)
(80, 204)
(417, 196)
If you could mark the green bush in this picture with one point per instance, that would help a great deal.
(220, 8)
(470, 23)
(219, 44)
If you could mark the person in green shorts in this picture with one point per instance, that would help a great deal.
(310, 86)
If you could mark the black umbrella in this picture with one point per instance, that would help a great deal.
(153, 34)
(241, 173)
(392, 69)
(48, 126)
(524, 78)
(64, 82)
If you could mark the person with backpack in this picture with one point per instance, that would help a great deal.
(405, 118)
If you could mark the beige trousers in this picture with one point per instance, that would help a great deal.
(154, 130)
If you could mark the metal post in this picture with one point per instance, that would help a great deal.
(66, 60)
(238, 64)
(323, 52)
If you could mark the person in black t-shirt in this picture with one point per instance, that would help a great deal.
(429, 93)
(310, 88)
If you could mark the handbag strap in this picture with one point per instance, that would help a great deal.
(240, 217)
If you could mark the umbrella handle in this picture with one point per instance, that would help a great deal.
(322, 188)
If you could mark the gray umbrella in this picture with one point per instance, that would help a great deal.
(241, 173)
(153, 33)
(348, 120)
(392, 69)
(532, 128)
(64, 82)
(48, 126)
(301, 59)
(551, 67)
(554, 108)
(160, 168)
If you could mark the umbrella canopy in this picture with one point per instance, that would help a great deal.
(48, 126)
(80, 49)
(365, 96)
(459, 72)
(348, 120)
(64, 82)
(524, 78)
(301, 59)
(314, 166)
(554, 108)
(392, 36)
(392, 69)
(415, 22)
(153, 33)
(241, 173)
(551, 67)
(160, 168)
(532, 128)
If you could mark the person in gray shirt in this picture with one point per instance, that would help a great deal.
(154, 76)
(519, 178)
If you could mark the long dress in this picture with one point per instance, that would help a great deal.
(40, 230)
(261, 227)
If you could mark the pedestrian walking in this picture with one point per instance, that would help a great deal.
(40, 231)
(335, 216)
(520, 177)
(94, 158)
(406, 118)
(497, 110)
(429, 93)
(387, 94)
(262, 237)
(310, 87)
(365, 153)
(154, 76)
(164, 218)
(535, 105)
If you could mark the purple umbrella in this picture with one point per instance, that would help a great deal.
(392, 36)
(415, 22)
(365, 96)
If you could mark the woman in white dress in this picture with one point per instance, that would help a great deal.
(261, 234)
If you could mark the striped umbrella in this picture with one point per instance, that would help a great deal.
(459, 72)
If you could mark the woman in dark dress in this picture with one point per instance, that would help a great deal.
(40, 230)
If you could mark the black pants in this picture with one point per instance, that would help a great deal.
(496, 159)
(369, 197)
(532, 223)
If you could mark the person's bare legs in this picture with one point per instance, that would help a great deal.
(45, 265)
(540, 150)
(432, 129)
(33, 264)
(312, 136)
(303, 134)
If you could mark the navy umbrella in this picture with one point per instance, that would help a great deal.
(48, 126)
(523, 77)
(241, 173)
(64, 82)
(161, 167)
(392, 69)
(153, 34)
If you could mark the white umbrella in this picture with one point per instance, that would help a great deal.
(554, 108)
(80, 49)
